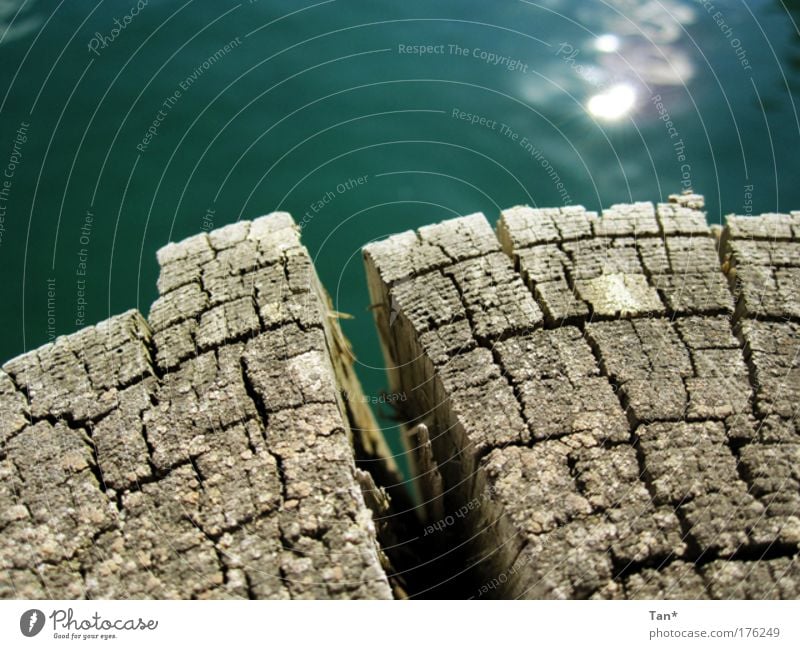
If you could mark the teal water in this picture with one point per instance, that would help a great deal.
(194, 114)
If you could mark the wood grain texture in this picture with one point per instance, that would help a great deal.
(206, 453)
(621, 409)
(601, 406)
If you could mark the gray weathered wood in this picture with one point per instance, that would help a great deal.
(603, 406)
(625, 421)
(205, 454)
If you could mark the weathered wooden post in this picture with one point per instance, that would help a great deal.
(599, 406)
(207, 453)
(611, 408)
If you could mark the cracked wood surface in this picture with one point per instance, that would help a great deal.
(618, 392)
(613, 400)
(204, 454)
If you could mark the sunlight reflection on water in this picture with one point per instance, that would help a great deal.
(637, 50)
(614, 103)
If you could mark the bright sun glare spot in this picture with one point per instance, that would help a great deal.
(606, 43)
(614, 103)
